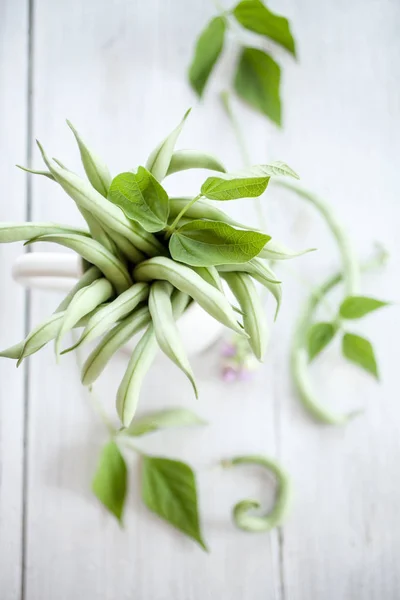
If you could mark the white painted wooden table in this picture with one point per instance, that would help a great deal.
(117, 70)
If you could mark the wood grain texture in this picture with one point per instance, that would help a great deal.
(125, 91)
(117, 71)
(13, 111)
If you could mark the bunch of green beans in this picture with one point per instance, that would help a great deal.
(132, 282)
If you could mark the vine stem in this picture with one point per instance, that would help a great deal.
(180, 215)
(299, 355)
(244, 152)
(351, 269)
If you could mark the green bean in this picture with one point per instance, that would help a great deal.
(95, 169)
(262, 273)
(20, 232)
(113, 341)
(109, 215)
(189, 282)
(111, 313)
(42, 334)
(126, 247)
(166, 330)
(254, 320)
(211, 275)
(141, 360)
(254, 267)
(246, 520)
(84, 301)
(95, 253)
(36, 172)
(87, 278)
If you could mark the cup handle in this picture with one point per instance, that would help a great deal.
(47, 270)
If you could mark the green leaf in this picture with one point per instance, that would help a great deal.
(141, 198)
(208, 48)
(160, 159)
(248, 183)
(110, 481)
(255, 16)
(233, 187)
(257, 82)
(319, 336)
(206, 243)
(360, 351)
(169, 490)
(191, 159)
(163, 419)
(355, 307)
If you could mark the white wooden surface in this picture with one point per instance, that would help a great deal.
(117, 70)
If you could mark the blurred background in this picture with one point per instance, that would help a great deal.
(118, 71)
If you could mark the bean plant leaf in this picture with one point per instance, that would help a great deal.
(255, 16)
(205, 243)
(319, 336)
(163, 419)
(110, 480)
(141, 198)
(356, 307)
(182, 160)
(248, 183)
(160, 159)
(257, 82)
(360, 351)
(169, 490)
(208, 49)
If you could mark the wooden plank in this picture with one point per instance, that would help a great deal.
(119, 76)
(343, 539)
(13, 110)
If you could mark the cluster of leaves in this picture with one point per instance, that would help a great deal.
(168, 487)
(355, 348)
(258, 75)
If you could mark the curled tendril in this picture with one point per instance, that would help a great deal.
(242, 511)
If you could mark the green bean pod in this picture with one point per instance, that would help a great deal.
(21, 232)
(112, 342)
(84, 301)
(113, 312)
(43, 333)
(189, 282)
(243, 511)
(96, 170)
(126, 247)
(255, 267)
(114, 270)
(141, 360)
(166, 330)
(254, 320)
(211, 275)
(109, 215)
(36, 172)
(87, 278)
(262, 273)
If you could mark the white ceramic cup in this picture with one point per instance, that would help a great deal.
(60, 271)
